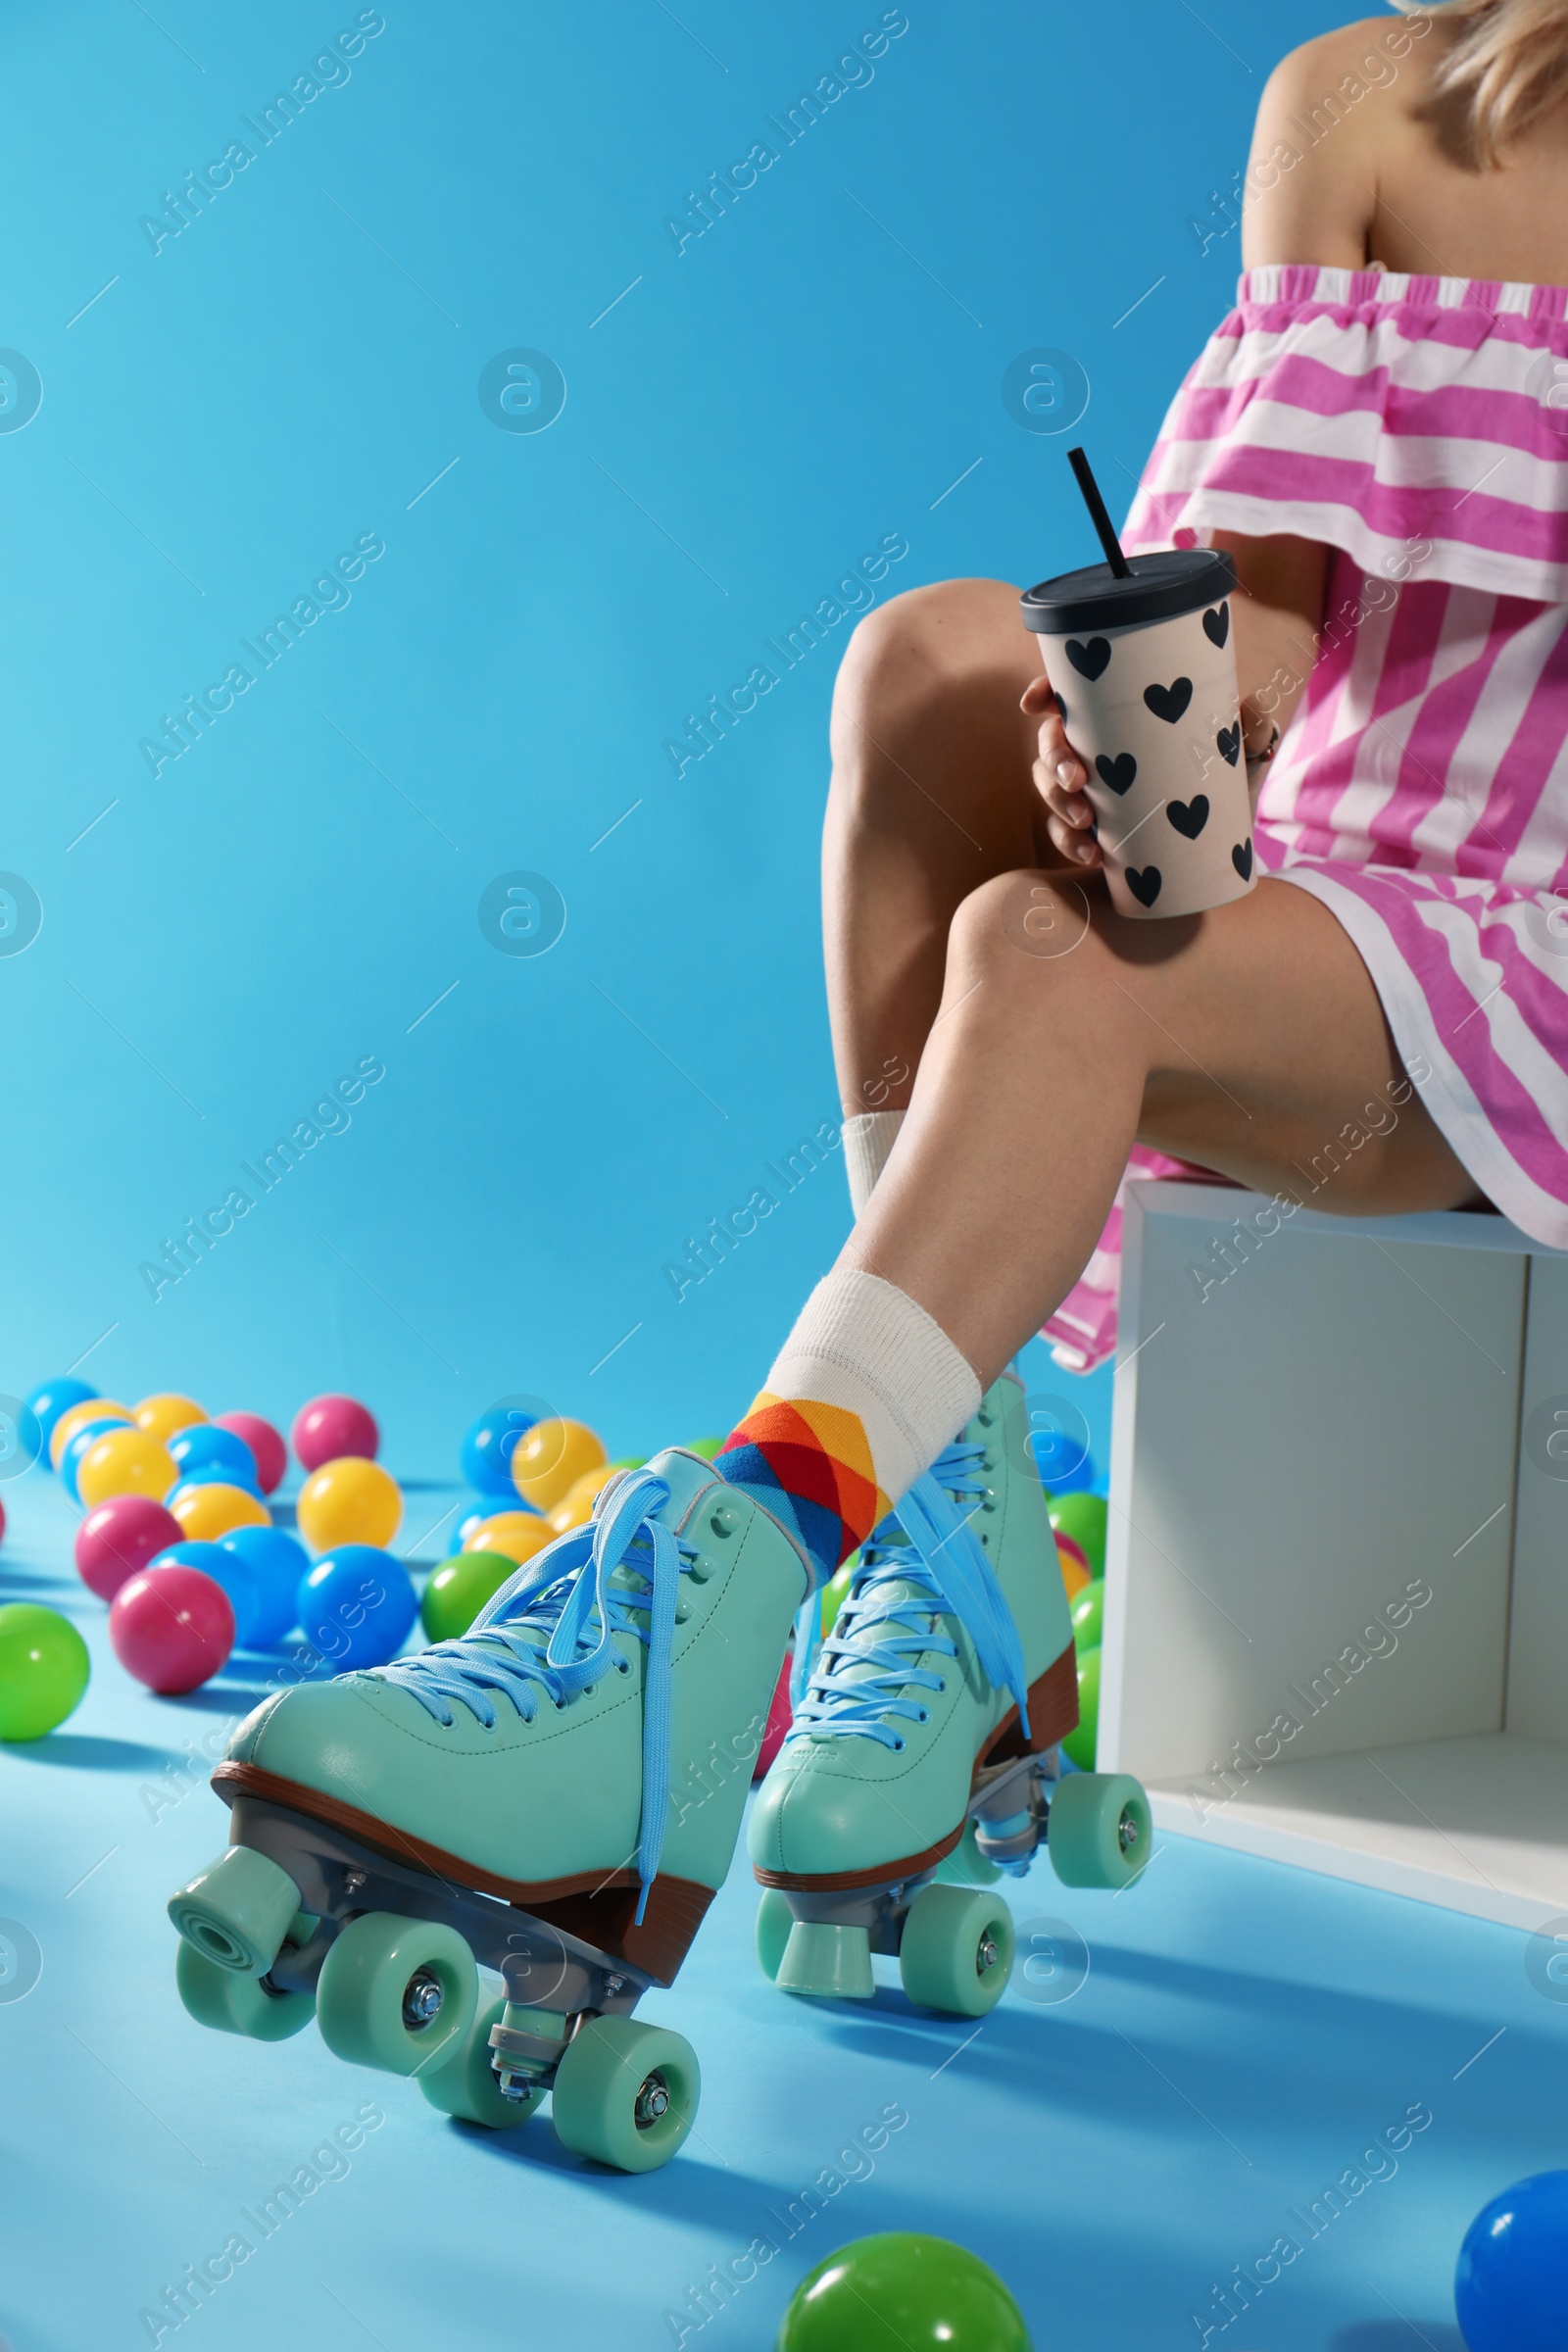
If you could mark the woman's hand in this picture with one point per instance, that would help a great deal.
(1059, 777)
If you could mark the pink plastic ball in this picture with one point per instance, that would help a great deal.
(264, 1440)
(329, 1427)
(119, 1537)
(778, 1721)
(2, 1522)
(172, 1628)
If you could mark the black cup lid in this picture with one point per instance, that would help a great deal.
(1158, 587)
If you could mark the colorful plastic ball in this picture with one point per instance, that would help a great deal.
(350, 1500)
(517, 1534)
(268, 1449)
(68, 1422)
(474, 1514)
(43, 1670)
(628, 1461)
(173, 1628)
(708, 1447)
(550, 1459)
(1074, 1569)
(1083, 1517)
(276, 1564)
(924, 2291)
(164, 1414)
(79, 1444)
(226, 1571)
(1088, 1615)
(485, 1454)
(119, 1537)
(2, 1522)
(355, 1607)
(207, 1510)
(576, 1506)
(125, 1461)
(780, 1716)
(836, 1591)
(1510, 2290)
(206, 1448)
(458, 1590)
(1080, 1745)
(52, 1397)
(218, 1473)
(1067, 1548)
(329, 1427)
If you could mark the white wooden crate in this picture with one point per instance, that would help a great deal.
(1360, 1413)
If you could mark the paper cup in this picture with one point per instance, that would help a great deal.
(1145, 670)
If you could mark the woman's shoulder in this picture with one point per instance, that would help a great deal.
(1371, 54)
(1333, 112)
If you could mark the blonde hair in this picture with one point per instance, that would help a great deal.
(1506, 67)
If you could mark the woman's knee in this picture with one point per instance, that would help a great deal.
(929, 643)
(1031, 931)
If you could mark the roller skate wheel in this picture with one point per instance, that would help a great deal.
(1100, 1832)
(237, 1911)
(626, 2093)
(956, 1950)
(221, 1997)
(463, 2082)
(396, 1994)
(774, 1920)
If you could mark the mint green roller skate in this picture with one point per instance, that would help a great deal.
(555, 1798)
(922, 1764)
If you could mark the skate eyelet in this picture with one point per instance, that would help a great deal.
(700, 1569)
(724, 1521)
(623, 1666)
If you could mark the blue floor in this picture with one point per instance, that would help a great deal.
(1245, 2033)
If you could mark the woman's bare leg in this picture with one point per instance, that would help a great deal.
(1244, 1039)
(931, 797)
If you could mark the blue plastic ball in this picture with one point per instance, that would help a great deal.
(232, 1574)
(486, 1451)
(215, 1474)
(204, 1450)
(52, 1397)
(355, 1607)
(277, 1562)
(85, 1434)
(1510, 2291)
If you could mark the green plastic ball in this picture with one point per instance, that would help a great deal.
(708, 1447)
(458, 1591)
(1089, 1616)
(1080, 1745)
(1083, 1517)
(836, 1591)
(43, 1670)
(926, 2292)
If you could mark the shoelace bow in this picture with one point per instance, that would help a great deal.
(549, 1632)
(927, 1544)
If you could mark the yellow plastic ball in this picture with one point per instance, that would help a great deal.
(125, 1461)
(518, 1535)
(1074, 1575)
(576, 1506)
(550, 1459)
(71, 1419)
(350, 1500)
(208, 1513)
(166, 1414)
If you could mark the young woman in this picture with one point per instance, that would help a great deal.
(1379, 435)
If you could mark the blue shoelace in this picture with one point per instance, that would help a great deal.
(550, 1633)
(927, 1544)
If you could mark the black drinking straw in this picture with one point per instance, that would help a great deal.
(1097, 514)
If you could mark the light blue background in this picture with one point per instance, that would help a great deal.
(758, 411)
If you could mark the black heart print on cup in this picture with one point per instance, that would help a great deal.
(1189, 816)
(1117, 774)
(1145, 883)
(1089, 660)
(1229, 740)
(1217, 625)
(1168, 702)
(1242, 858)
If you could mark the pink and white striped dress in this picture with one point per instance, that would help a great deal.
(1418, 426)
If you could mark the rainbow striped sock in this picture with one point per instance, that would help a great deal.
(864, 1395)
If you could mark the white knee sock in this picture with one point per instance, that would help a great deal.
(868, 1139)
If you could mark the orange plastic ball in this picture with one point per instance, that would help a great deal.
(350, 1500)
(550, 1459)
(518, 1535)
(167, 1414)
(576, 1506)
(125, 1461)
(208, 1513)
(71, 1419)
(1074, 1575)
